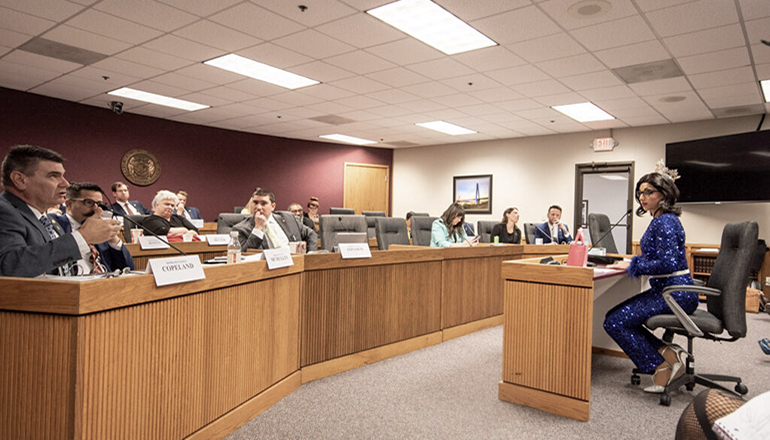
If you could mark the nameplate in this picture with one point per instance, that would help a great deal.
(217, 239)
(277, 258)
(198, 223)
(175, 270)
(150, 242)
(355, 250)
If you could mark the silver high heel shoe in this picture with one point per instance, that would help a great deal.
(677, 370)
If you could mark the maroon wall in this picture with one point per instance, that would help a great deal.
(218, 168)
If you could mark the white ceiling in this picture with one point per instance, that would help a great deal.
(384, 81)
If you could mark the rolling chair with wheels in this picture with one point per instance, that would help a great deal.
(726, 309)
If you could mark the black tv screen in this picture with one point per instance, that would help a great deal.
(732, 168)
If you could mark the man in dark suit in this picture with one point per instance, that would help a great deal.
(33, 178)
(553, 231)
(188, 212)
(269, 229)
(122, 205)
(82, 201)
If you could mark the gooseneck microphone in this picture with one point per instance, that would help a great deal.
(109, 209)
(613, 227)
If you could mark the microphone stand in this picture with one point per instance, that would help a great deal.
(613, 227)
(108, 209)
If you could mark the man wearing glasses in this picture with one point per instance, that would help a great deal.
(299, 215)
(33, 180)
(82, 200)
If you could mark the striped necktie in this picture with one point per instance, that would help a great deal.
(48, 227)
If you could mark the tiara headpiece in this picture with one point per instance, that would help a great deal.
(662, 169)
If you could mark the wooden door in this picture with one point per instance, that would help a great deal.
(366, 187)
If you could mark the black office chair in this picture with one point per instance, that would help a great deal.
(128, 224)
(599, 228)
(390, 230)
(226, 221)
(370, 216)
(726, 308)
(342, 211)
(484, 230)
(422, 214)
(421, 230)
(529, 232)
(330, 225)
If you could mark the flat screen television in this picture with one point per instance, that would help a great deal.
(733, 168)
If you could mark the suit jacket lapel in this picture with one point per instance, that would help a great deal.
(27, 214)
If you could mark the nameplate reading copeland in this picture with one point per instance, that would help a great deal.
(217, 239)
(175, 270)
(355, 250)
(149, 242)
(277, 258)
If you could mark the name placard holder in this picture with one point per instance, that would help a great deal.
(175, 270)
(149, 242)
(217, 239)
(277, 258)
(355, 250)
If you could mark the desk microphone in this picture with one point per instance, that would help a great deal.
(109, 209)
(613, 227)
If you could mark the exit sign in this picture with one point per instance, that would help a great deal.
(604, 144)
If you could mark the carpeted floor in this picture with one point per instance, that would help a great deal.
(449, 391)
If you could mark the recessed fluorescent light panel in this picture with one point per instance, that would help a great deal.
(583, 112)
(263, 72)
(347, 139)
(766, 89)
(433, 25)
(152, 98)
(446, 127)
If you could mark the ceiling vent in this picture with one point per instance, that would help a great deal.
(743, 110)
(333, 120)
(61, 51)
(648, 71)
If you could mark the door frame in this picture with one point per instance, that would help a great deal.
(367, 165)
(581, 169)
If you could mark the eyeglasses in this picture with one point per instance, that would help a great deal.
(296, 211)
(88, 202)
(313, 206)
(646, 193)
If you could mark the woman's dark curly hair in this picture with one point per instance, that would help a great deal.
(666, 186)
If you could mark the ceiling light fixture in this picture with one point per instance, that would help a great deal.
(446, 127)
(583, 112)
(347, 139)
(766, 89)
(263, 72)
(433, 25)
(152, 98)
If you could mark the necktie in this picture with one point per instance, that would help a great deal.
(96, 264)
(130, 209)
(272, 239)
(554, 234)
(48, 227)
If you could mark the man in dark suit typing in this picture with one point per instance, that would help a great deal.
(553, 231)
(33, 180)
(122, 205)
(269, 229)
(82, 201)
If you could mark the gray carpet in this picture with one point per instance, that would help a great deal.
(449, 391)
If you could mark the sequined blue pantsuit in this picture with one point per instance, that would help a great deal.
(663, 252)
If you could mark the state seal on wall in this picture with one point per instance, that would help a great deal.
(140, 167)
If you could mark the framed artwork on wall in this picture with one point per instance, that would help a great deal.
(584, 214)
(474, 193)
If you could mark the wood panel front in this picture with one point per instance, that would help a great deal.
(352, 307)
(201, 249)
(472, 290)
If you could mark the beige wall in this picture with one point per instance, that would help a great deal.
(535, 172)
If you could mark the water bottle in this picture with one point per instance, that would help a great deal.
(233, 248)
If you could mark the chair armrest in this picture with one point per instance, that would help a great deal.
(683, 317)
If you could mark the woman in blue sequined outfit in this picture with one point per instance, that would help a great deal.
(663, 259)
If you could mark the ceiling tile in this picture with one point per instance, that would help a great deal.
(594, 80)
(256, 87)
(361, 31)
(317, 12)
(201, 98)
(177, 46)
(23, 23)
(360, 62)
(127, 67)
(518, 75)
(471, 83)
(616, 33)
(160, 89)
(752, 9)
(56, 10)
(618, 92)
(711, 62)
(321, 71)
(86, 40)
(41, 62)
(218, 36)
(405, 51)
(274, 55)
(229, 94)
(360, 102)
(63, 91)
(115, 80)
(761, 53)
(296, 99)
(633, 54)
(458, 100)
(541, 88)
(209, 74)
(691, 17)
(468, 10)
(153, 58)
(12, 39)
(562, 13)
(743, 89)
(314, 44)
(546, 48)
(518, 105)
(393, 96)
(429, 90)
(255, 21)
(560, 99)
(710, 40)
(422, 105)
(325, 92)
(183, 82)
(23, 77)
(489, 58)
(574, 65)
(515, 26)
(113, 27)
(653, 5)
(359, 85)
(398, 77)
(661, 86)
(441, 68)
(642, 121)
(496, 95)
(722, 78)
(758, 29)
(763, 71)
(201, 8)
(147, 12)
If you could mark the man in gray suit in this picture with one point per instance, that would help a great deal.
(269, 229)
(33, 181)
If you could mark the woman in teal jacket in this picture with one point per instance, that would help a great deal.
(448, 230)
